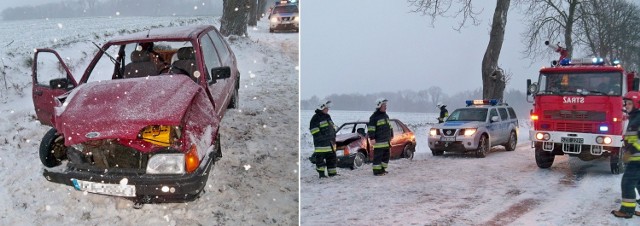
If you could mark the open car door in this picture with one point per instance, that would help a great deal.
(51, 78)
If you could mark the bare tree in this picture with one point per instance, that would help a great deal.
(253, 13)
(550, 20)
(435, 93)
(493, 80)
(614, 33)
(234, 17)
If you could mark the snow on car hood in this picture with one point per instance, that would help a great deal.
(121, 108)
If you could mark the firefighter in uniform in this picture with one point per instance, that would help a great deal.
(324, 140)
(443, 112)
(631, 176)
(380, 132)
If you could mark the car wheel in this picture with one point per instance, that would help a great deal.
(513, 141)
(617, 162)
(437, 152)
(544, 159)
(358, 161)
(235, 98)
(52, 149)
(270, 30)
(407, 152)
(483, 147)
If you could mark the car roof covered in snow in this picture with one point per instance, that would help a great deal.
(165, 33)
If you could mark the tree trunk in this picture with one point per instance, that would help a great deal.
(253, 13)
(571, 18)
(262, 8)
(493, 79)
(234, 18)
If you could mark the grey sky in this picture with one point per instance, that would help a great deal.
(15, 3)
(368, 46)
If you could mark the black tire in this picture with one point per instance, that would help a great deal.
(358, 161)
(544, 159)
(218, 149)
(513, 141)
(235, 98)
(270, 30)
(616, 160)
(407, 152)
(483, 147)
(437, 152)
(52, 149)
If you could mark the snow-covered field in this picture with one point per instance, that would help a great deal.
(255, 183)
(505, 188)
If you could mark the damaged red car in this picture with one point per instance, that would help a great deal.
(143, 120)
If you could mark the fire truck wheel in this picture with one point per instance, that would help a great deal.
(617, 163)
(483, 147)
(513, 141)
(544, 159)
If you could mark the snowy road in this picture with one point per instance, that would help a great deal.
(255, 183)
(505, 188)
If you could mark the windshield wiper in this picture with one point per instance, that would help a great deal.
(105, 52)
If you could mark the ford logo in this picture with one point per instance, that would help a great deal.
(92, 135)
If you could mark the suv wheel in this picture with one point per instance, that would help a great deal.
(407, 152)
(544, 159)
(483, 147)
(358, 161)
(513, 141)
(52, 149)
(617, 162)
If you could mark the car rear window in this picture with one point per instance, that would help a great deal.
(503, 113)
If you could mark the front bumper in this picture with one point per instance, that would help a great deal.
(285, 25)
(454, 143)
(345, 161)
(586, 142)
(149, 188)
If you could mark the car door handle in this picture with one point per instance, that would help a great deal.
(38, 92)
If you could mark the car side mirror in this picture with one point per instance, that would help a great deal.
(495, 118)
(59, 83)
(220, 73)
(532, 88)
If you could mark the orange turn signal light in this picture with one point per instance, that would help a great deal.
(191, 160)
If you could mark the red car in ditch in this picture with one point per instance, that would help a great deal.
(354, 149)
(143, 120)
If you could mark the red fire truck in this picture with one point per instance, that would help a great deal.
(577, 110)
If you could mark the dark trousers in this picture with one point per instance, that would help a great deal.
(380, 160)
(326, 161)
(630, 182)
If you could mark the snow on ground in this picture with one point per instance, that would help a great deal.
(505, 188)
(255, 183)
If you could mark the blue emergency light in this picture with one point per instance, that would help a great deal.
(491, 102)
(582, 61)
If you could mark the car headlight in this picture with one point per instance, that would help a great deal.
(339, 152)
(274, 19)
(433, 132)
(296, 19)
(469, 132)
(166, 164)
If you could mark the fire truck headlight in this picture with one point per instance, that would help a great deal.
(543, 136)
(604, 128)
(607, 140)
(599, 140)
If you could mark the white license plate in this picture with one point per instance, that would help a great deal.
(572, 140)
(447, 139)
(106, 189)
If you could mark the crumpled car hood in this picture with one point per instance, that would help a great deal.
(122, 108)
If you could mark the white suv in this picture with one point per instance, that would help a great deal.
(284, 17)
(477, 127)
